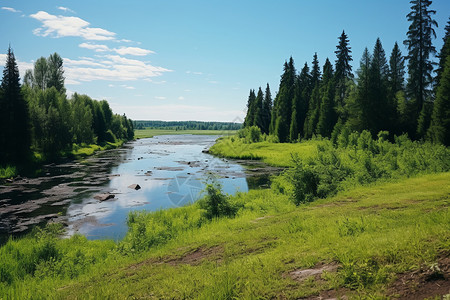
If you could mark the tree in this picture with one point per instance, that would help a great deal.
(396, 70)
(55, 76)
(283, 102)
(251, 110)
(40, 73)
(343, 68)
(420, 66)
(327, 113)
(443, 54)
(315, 71)
(379, 112)
(14, 123)
(439, 130)
(266, 112)
(258, 121)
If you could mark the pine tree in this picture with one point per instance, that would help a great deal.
(396, 70)
(343, 68)
(14, 126)
(439, 130)
(445, 51)
(267, 110)
(420, 66)
(302, 97)
(380, 112)
(315, 72)
(258, 121)
(250, 117)
(327, 114)
(283, 102)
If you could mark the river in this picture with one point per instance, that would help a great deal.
(170, 170)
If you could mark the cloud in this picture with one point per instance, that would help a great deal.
(122, 50)
(160, 98)
(195, 73)
(61, 26)
(181, 98)
(95, 47)
(65, 9)
(128, 87)
(11, 9)
(132, 51)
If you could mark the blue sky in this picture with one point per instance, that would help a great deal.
(193, 60)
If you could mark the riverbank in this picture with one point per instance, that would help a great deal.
(382, 240)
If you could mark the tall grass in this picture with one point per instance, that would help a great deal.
(8, 172)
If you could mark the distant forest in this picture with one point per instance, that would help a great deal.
(39, 123)
(187, 125)
(329, 100)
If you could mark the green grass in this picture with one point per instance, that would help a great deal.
(276, 154)
(8, 172)
(148, 133)
(371, 233)
(88, 150)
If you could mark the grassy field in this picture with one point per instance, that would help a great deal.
(275, 154)
(148, 133)
(362, 239)
(386, 239)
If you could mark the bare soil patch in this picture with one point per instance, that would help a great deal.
(427, 282)
(302, 274)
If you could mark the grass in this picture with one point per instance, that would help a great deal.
(88, 150)
(148, 133)
(8, 172)
(371, 233)
(276, 154)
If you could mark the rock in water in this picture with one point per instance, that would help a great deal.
(104, 197)
(134, 186)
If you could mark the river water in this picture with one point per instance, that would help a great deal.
(170, 171)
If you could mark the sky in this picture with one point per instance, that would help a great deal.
(194, 60)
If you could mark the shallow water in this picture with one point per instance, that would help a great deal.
(171, 171)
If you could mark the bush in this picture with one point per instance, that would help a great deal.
(216, 203)
(250, 134)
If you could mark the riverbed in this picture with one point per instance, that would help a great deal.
(147, 174)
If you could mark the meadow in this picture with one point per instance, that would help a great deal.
(148, 133)
(359, 235)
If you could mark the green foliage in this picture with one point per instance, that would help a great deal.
(359, 159)
(8, 172)
(215, 203)
(250, 134)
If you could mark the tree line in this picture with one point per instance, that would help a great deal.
(326, 101)
(187, 125)
(37, 117)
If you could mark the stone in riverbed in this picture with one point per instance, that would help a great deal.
(135, 187)
(104, 197)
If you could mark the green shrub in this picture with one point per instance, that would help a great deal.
(216, 203)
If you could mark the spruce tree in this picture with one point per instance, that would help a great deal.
(283, 102)
(343, 68)
(420, 66)
(251, 110)
(14, 128)
(379, 112)
(445, 51)
(258, 121)
(315, 72)
(439, 130)
(327, 114)
(267, 110)
(396, 70)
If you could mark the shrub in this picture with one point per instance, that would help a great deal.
(216, 203)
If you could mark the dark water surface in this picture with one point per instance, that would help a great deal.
(171, 171)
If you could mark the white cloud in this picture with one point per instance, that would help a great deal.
(61, 26)
(65, 9)
(95, 47)
(132, 51)
(181, 98)
(195, 73)
(111, 67)
(160, 98)
(11, 9)
(128, 87)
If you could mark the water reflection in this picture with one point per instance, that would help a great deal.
(170, 170)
